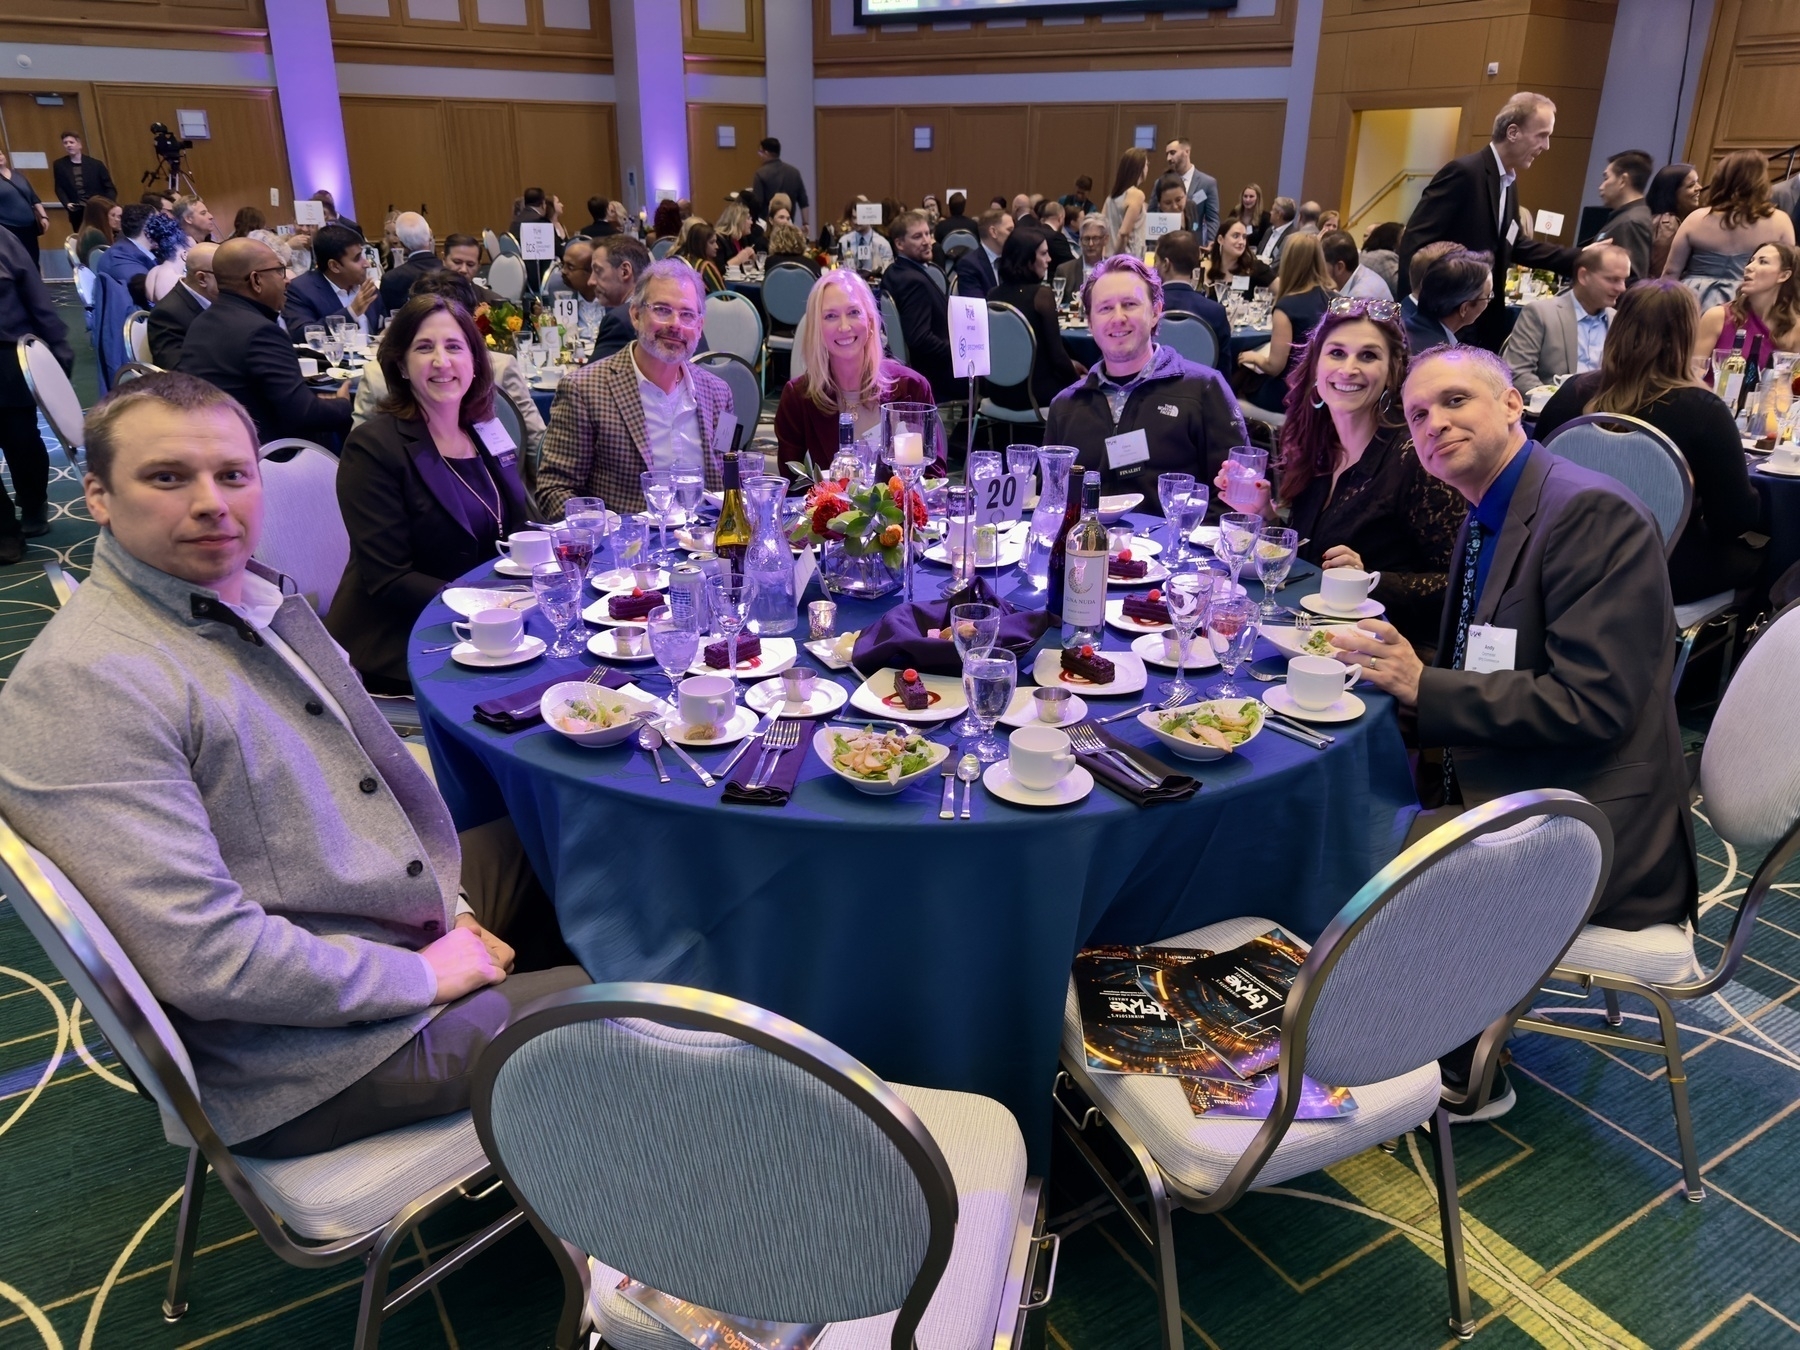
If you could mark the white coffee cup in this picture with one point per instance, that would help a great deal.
(1345, 588)
(527, 548)
(1317, 682)
(706, 700)
(1039, 756)
(1785, 457)
(494, 632)
(797, 683)
(309, 367)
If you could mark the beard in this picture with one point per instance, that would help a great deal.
(670, 344)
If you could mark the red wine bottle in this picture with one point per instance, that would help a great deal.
(1059, 547)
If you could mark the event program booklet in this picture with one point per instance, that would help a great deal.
(1234, 1000)
(1256, 1099)
(715, 1330)
(1127, 1023)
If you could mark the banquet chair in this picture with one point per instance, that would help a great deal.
(506, 277)
(957, 243)
(490, 242)
(137, 336)
(1012, 356)
(1445, 944)
(892, 333)
(936, 273)
(785, 288)
(509, 246)
(662, 248)
(1193, 337)
(812, 1191)
(358, 1201)
(63, 584)
(1651, 466)
(303, 534)
(55, 397)
(1750, 791)
(797, 353)
(515, 428)
(746, 392)
(733, 325)
(133, 370)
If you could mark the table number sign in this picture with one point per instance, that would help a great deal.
(968, 336)
(537, 241)
(1001, 500)
(309, 212)
(868, 213)
(1547, 222)
(567, 309)
(1159, 223)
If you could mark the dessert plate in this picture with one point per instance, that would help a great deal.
(621, 644)
(1129, 675)
(872, 697)
(1116, 617)
(1154, 648)
(1022, 712)
(827, 697)
(776, 656)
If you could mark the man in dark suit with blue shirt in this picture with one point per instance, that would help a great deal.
(977, 271)
(1177, 259)
(338, 287)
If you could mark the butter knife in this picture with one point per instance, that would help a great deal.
(947, 810)
(743, 745)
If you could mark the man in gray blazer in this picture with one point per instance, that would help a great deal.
(1564, 334)
(186, 742)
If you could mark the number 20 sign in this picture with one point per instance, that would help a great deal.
(1001, 500)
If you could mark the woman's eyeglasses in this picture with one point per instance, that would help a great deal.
(1357, 307)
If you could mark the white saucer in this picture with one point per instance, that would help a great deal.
(1115, 615)
(1022, 712)
(1346, 709)
(742, 723)
(1200, 653)
(778, 653)
(997, 778)
(1143, 546)
(605, 645)
(506, 567)
(827, 697)
(1767, 467)
(1368, 609)
(468, 600)
(468, 654)
(620, 579)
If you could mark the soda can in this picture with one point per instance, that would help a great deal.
(687, 594)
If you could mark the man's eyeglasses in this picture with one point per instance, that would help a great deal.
(1357, 307)
(687, 318)
(258, 271)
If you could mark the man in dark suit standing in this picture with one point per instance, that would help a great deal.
(1474, 201)
(237, 346)
(415, 236)
(191, 297)
(77, 177)
(338, 287)
(977, 271)
(923, 306)
(774, 176)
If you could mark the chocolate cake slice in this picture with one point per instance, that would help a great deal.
(1145, 608)
(911, 691)
(1087, 664)
(1127, 567)
(636, 605)
(718, 654)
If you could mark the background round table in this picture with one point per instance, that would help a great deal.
(1781, 500)
(937, 952)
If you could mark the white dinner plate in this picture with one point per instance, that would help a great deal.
(828, 652)
(1347, 708)
(1291, 641)
(777, 655)
(621, 644)
(872, 694)
(1129, 674)
(1153, 573)
(468, 654)
(1115, 616)
(1368, 609)
(1143, 546)
(827, 697)
(1153, 647)
(1010, 554)
(742, 722)
(467, 600)
(1022, 712)
(997, 778)
(1205, 536)
(620, 579)
(1768, 467)
(597, 613)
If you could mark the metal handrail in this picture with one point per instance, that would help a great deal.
(1387, 187)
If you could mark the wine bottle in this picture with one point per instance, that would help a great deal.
(1084, 571)
(731, 536)
(1732, 372)
(1053, 601)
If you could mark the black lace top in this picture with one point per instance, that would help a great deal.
(1398, 518)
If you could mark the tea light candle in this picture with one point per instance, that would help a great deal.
(908, 448)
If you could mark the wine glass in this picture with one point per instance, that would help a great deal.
(729, 598)
(674, 642)
(1275, 548)
(659, 496)
(1059, 285)
(1187, 595)
(1231, 628)
(1238, 533)
(586, 513)
(1190, 510)
(974, 628)
(315, 336)
(989, 679)
(690, 490)
(558, 592)
(1171, 488)
(1245, 465)
(628, 543)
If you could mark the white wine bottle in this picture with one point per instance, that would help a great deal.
(731, 536)
(1084, 571)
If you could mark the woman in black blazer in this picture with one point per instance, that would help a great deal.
(426, 486)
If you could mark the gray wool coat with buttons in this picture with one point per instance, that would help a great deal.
(271, 872)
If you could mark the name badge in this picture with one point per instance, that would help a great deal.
(1490, 648)
(1512, 231)
(1126, 449)
(1241, 282)
(494, 436)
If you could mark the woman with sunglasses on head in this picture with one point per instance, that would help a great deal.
(1347, 475)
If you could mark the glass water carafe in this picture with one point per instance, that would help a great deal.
(769, 561)
(1053, 463)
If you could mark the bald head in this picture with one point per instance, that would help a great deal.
(251, 269)
(200, 276)
(578, 268)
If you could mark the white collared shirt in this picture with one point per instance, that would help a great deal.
(671, 421)
(344, 299)
(200, 299)
(1507, 179)
(1590, 335)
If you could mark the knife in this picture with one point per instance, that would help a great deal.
(947, 810)
(1294, 722)
(1294, 735)
(743, 745)
(705, 778)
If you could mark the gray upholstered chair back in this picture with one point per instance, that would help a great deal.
(509, 246)
(1012, 346)
(959, 242)
(746, 394)
(506, 276)
(112, 992)
(303, 533)
(936, 273)
(1193, 337)
(1750, 768)
(55, 395)
(760, 1172)
(785, 288)
(893, 333)
(1448, 938)
(733, 325)
(1638, 456)
(662, 248)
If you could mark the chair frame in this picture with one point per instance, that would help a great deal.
(711, 360)
(133, 370)
(268, 448)
(524, 278)
(71, 448)
(731, 297)
(1164, 1193)
(137, 319)
(777, 342)
(1039, 416)
(1178, 317)
(955, 250)
(20, 875)
(699, 1010)
(893, 333)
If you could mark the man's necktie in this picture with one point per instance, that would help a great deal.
(1465, 610)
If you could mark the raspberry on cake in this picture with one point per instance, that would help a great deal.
(1087, 664)
(718, 654)
(1148, 608)
(637, 605)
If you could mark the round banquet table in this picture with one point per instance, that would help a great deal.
(937, 952)
(1781, 502)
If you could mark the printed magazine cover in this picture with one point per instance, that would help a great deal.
(717, 1331)
(1127, 1025)
(1234, 1000)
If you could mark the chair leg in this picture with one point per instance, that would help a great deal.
(1443, 1157)
(1168, 1285)
(187, 1230)
(1684, 1117)
(371, 1313)
(1614, 1017)
(1681, 657)
(1731, 627)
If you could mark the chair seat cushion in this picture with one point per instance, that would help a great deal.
(1660, 954)
(359, 1187)
(981, 1142)
(993, 410)
(1200, 1153)
(1700, 611)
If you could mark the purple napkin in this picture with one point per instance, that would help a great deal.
(1175, 786)
(898, 638)
(781, 782)
(519, 708)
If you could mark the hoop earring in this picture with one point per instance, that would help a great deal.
(1387, 397)
(1317, 402)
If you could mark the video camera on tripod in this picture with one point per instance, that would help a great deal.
(170, 170)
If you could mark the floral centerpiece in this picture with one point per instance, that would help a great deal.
(500, 324)
(857, 529)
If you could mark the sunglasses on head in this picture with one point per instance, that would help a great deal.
(1357, 307)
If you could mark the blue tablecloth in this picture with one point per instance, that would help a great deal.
(543, 398)
(1781, 498)
(935, 952)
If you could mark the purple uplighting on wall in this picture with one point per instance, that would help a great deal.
(311, 118)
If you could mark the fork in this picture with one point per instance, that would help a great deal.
(1087, 742)
(1172, 701)
(781, 738)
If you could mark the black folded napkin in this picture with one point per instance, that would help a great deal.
(781, 782)
(1175, 786)
(898, 638)
(519, 708)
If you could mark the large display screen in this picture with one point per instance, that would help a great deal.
(927, 11)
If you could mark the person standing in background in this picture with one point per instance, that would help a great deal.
(78, 176)
(1202, 190)
(1674, 194)
(26, 310)
(774, 176)
(20, 210)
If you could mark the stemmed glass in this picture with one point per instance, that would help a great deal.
(1171, 488)
(586, 513)
(628, 543)
(1238, 533)
(989, 679)
(575, 553)
(674, 642)
(729, 599)
(316, 336)
(1231, 628)
(1190, 510)
(558, 592)
(1187, 595)
(1275, 548)
(974, 628)
(659, 496)
(690, 490)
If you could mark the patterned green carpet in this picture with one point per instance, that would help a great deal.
(1578, 1232)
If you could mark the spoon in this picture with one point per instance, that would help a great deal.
(651, 739)
(968, 769)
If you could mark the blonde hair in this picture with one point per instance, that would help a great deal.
(1302, 266)
(873, 385)
(734, 220)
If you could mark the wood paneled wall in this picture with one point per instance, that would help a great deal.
(504, 34)
(713, 172)
(723, 37)
(1014, 148)
(465, 160)
(1434, 54)
(229, 25)
(1749, 97)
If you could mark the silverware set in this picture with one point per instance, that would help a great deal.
(1088, 745)
(1295, 730)
(1172, 701)
(777, 741)
(965, 771)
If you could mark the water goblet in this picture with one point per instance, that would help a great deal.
(690, 491)
(1189, 511)
(659, 495)
(558, 592)
(674, 642)
(587, 513)
(1171, 488)
(729, 598)
(989, 679)
(974, 628)
(1238, 533)
(315, 335)
(1274, 553)
(1188, 595)
(1231, 629)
